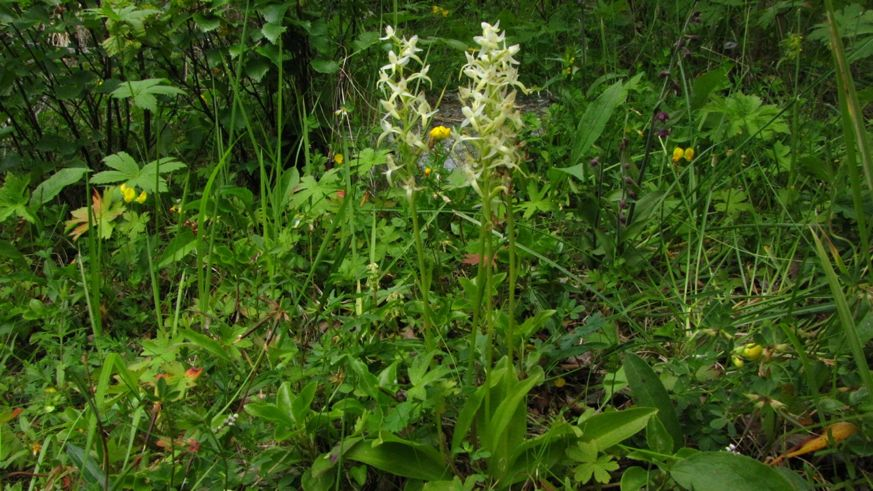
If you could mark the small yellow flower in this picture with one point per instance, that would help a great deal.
(689, 154)
(338, 159)
(427, 171)
(677, 154)
(127, 193)
(753, 351)
(142, 197)
(35, 447)
(439, 133)
(560, 382)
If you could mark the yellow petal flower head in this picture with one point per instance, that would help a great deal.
(142, 197)
(440, 133)
(689, 154)
(127, 193)
(427, 171)
(678, 153)
(338, 159)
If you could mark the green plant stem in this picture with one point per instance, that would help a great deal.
(423, 276)
(513, 278)
(846, 318)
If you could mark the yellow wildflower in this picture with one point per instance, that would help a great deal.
(689, 154)
(439, 133)
(127, 192)
(560, 382)
(753, 351)
(427, 171)
(338, 159)
(142, 197)
(677, 154)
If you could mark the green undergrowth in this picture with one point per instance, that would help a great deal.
(436, 246)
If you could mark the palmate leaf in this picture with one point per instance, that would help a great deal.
(103, 211)
(13, 198)
(127, 171)
(143, 92)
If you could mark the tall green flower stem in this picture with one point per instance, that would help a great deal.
(513, 278)
(492, 121)
(423, 273)
(482, 319)
(405, 121)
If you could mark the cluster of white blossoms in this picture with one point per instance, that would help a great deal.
(407, 114)
(489, 105)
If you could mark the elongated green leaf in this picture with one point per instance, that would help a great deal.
(52, 186)
(269, 412)
(508, 407)
(179, 247)
(401, 458)
(91, 472)
(300, 406)
(723, 471)
(594, 119)
(466, 417)
(608, 429)
(648, 391)
(205, 342)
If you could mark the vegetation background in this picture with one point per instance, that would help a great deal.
(650, 269)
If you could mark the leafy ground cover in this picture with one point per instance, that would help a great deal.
(408, 245)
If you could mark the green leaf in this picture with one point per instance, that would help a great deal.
(143, 92)
(326, 67)
(269, 412)
(206, 343)
(577, 171)
(365, 40)
(594, 119)
(52, 186)
(300, 406)
(705, 84)
(648, 390)
(608, 429)
(723, 471)
(206, 24)
(181, 246)
(13, 198)
(9, 251)
(272, 31)
(401, 458)
(634, 478)
(508, 408)
(90, 471)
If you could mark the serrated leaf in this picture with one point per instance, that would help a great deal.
(143, 92)
(13, 198)
(206, 24)
(272, 31)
